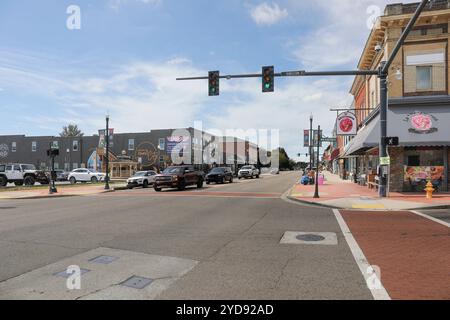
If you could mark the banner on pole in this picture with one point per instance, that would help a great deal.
(306, 138)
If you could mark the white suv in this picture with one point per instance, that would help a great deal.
(248, 172)
(85, 175)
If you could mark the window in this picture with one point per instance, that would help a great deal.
(66, 166)
(162, 144)
(75, 145)
(56, 165)
(131, 144)
(13, 147)
(75, 165)
(423, 78)
(413, 161)
(17, 168)
(161, 159)
(33, 146)
(55, 144)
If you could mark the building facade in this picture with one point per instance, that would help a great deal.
(418, 102)
(155, 149)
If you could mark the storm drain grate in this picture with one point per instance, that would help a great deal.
(104, 259)
(136, 282)
(310, 237)
(65, 274)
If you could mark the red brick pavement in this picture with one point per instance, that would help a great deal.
(412, 252)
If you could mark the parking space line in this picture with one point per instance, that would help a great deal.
(360, 258)
(431, 218)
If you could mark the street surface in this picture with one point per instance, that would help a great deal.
(220, 242)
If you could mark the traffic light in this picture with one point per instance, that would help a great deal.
(268, 75)
(214, 83)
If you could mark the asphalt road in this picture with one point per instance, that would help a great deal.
(232, 232)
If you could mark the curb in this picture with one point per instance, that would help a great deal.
(315, 204)
(55, 196)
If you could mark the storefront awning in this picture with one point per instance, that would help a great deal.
(415, 126)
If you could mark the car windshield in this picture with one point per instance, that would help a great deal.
(218, 170)
(173, 170)
(28, 167)
(247, 168)
(140, 174)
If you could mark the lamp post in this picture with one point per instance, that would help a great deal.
(311, 138)
(316, 192)
(107, 154)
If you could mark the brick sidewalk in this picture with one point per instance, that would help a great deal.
(346, 194)
(412, 252)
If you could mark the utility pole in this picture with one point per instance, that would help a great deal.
(381, 72)
(107, 154)
(311, 142)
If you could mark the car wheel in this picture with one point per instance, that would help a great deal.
(145, 184)
(257, 177)
(200, 184)
(3, 182)
(29, 181)
(181, 185)
(94, 180)
(129, 187)
(18, 183)
(231, 180)
(157, 189)
(73, 180)
(208, 183)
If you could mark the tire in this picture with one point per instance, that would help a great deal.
(145, 184)
(200, 184)
(29, 181)
(94, 180)
(72, 180)
(18, 183)
(231, 180)
(157, 189)
(3, 181)
(181, 185)
(257, 177)
(208, 183)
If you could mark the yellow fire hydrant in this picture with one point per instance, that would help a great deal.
(429, 189)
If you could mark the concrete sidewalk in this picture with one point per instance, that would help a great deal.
(340, 194)
(63, 191)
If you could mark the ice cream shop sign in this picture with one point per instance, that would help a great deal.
(421, 123)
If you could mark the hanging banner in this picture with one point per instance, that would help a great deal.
(317, 138)
(306, 138)
(102, 138)
(347, 124)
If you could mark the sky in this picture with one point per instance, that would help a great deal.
(124, 55)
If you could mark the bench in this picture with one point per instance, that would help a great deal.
(372, 182)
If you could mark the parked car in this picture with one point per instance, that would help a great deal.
(219, 175)
(141, 179)
(21, 174)
(61, 175)
(248, 172)
(179, 177)
(85, 175)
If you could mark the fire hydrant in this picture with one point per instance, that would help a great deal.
(429, 189)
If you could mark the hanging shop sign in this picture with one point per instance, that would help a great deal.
(422, 123)
(347, 124)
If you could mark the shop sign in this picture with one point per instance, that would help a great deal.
(385, 161)
(421, 123)
(347, 124)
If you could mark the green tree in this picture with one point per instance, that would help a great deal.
(71, 131)
(285, 161)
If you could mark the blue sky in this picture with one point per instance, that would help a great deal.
(127, 54)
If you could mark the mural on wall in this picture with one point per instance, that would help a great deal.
(94, 162)
(421, 123)
(4, 151)
(418, 174)
(178, 144)
(146, 153)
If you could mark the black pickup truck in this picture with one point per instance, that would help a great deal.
(179, 177)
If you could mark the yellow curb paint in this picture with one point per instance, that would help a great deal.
(368, 206)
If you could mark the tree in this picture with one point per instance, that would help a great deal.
(285, 162)
(71, 131)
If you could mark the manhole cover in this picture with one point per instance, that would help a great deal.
(104, 259)
(137, 282)
(310, 237)
(64, 274)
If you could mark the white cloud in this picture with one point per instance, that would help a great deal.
(266, 14)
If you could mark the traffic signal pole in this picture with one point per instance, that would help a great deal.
(382, 74)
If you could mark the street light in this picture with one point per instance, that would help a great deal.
(311, 138)
(107, 154)
(316, 192)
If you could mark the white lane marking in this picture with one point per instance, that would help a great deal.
(431, 218)
(360, 258)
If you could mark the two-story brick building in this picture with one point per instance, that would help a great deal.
(418, 103)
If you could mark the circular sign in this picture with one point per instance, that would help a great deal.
(421, 122)
(346, 124)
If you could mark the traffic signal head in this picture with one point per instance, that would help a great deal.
(214, 83)
(268, 83)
